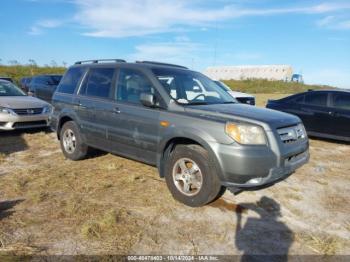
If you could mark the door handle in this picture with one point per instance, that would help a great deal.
(116, 110)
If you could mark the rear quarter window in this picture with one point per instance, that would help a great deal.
(70, 80)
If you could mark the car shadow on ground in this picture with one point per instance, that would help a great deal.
(12, 141)
(263, 237)
(7, 206)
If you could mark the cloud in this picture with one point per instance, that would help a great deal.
(178, 52)
(39, 27)
(120, 18)
(334, 22)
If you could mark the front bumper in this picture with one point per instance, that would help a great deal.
(254, 167)
(12, 122)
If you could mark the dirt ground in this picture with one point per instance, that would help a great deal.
(111, 205)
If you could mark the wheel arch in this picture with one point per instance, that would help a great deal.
(169, 144)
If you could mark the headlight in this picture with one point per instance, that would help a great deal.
(7, 111)
(246, 134)
(47, 110)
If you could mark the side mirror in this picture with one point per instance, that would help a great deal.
(148, 99)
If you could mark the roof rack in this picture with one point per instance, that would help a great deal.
(159, 63)
(100, 60)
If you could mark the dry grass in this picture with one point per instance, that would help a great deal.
(321, 244)
(112, 205)
(2, 157)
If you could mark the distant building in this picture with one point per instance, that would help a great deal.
(269, 72)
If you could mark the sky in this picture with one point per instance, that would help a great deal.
(313, 36)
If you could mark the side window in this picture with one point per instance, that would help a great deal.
(131, 83)
(71, 80)
(341, 100)
(316, 99)
(46, 80)
(98, 83)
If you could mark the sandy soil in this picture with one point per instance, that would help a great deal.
(111, 205)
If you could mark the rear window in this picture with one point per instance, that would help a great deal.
(70, 80)
(316, 99)
(298, 99)
(55, 80)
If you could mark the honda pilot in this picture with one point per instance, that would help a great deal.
(201, 140)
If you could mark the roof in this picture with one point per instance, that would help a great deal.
(330, 90)
(151, 64)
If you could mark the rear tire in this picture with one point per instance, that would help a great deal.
(71, 142)
(191, 177)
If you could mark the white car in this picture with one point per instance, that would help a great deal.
(18, 110)
(240, 97)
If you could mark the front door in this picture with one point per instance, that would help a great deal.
(315, 112)
(340, 113)
(134, 128)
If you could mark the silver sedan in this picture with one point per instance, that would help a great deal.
(18, 110)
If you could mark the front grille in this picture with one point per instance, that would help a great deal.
(28, 111)
(246, 100)
(30, 124)
(292, 134)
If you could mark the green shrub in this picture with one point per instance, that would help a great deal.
(16, 72)
(266, 86)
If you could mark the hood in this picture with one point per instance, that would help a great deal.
(239, 94)
(19, 102)
(273, 118)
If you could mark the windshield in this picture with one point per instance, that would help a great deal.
(191, 88)
(223, 86)
(9, 89)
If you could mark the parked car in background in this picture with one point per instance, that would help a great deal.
(199, 137)
(43, 86)
(24, 83)
(18, 110)
(6, 78)
(325, 113)
(240, 97)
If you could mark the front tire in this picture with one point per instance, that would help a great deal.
(71, 142)
(190, 176)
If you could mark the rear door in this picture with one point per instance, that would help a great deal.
(95, 102)
(340, 112)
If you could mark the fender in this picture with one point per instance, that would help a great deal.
(199, 136)
(67, 112)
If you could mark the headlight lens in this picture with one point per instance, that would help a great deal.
(47, 110)
(246, 134)
(7, 111)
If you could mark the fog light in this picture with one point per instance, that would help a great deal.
(254, 181)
